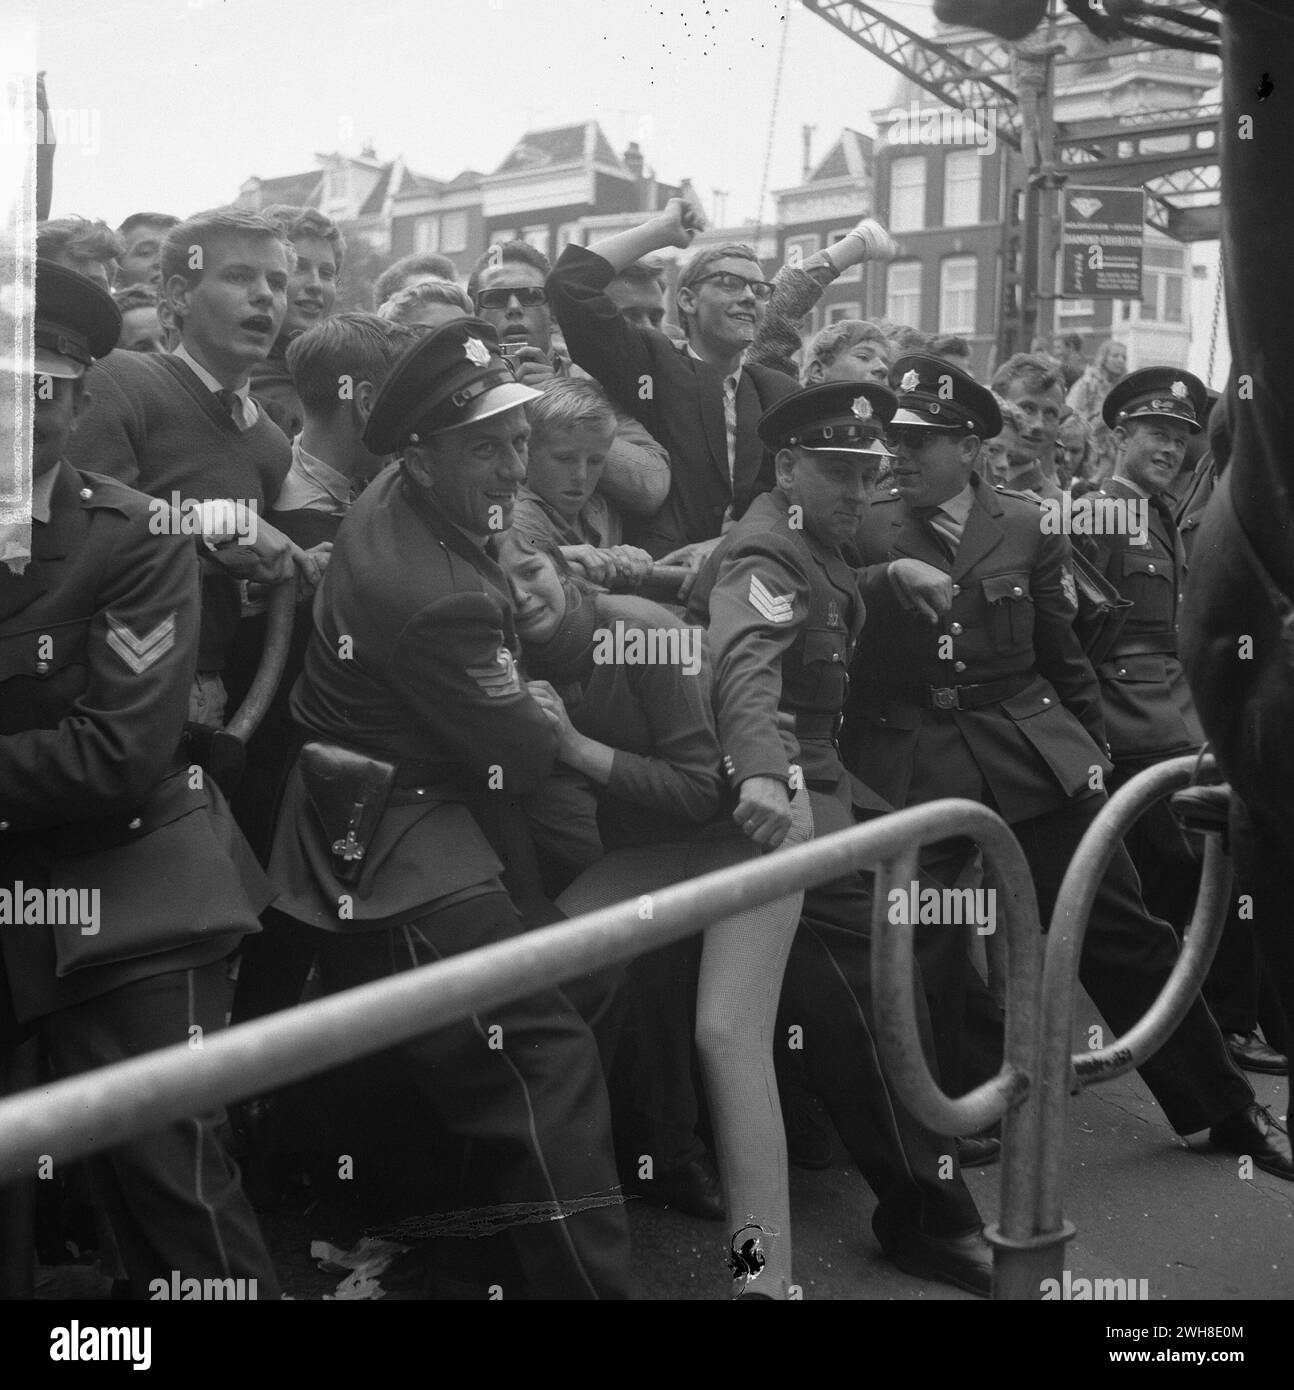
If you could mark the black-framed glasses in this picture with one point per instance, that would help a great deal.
(738, 284)
(528, 296)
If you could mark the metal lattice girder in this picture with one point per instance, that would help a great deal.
(932, 65)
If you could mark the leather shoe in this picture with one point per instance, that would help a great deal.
(808, 1145)
(1253, 1131)
(978, 1150)
(1249, 1051)
(965, 1261)
(694, 1188)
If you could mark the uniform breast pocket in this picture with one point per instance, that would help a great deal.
(1010, 611)
(42, 673)
(823, 677)
(1148, 583)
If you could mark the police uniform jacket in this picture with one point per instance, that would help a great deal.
(783, 613)
(676, 396)
(98, 647)
(1147, 702)
(411, 661)
(1029, 724)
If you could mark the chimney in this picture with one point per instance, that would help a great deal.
(806, 135)
(633, 158)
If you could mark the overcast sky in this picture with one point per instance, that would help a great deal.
(179, 101)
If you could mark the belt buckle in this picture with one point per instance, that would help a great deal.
(944, 696)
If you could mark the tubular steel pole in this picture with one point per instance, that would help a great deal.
(97, 1110)
(1019, 1254)
(1062, 1072)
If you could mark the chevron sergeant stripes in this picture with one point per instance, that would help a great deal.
(777, 608)
(139, 653)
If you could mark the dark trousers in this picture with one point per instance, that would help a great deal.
(1168, 865)
(653, 1091)
(828, 992)
(523, 1079)
(1261, 850)
(1127, 957)
(173, 1196)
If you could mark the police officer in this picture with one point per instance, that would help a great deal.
(401, 839)
(784, 612)
(126, 885)
(1149, 713)
(971, 682)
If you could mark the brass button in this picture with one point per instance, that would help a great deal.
(1150, 569)
(42, 668)
(835, 656)
(959, 665)
(1046, 699)
(86, 494)
(4, 825)
(955, 629)
(1017, 591)
(134, 824)
(1123, 670)
(957, 588)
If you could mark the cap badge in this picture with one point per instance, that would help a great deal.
(1178, 389)
(911, 380)
(476, 352)
(862, 408)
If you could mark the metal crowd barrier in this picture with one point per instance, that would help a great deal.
(1031, 1232)
(97, 1110)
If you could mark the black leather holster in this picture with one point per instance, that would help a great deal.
(348, 792)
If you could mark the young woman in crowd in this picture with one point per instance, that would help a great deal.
(643, 733)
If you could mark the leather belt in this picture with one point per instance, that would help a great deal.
(963, 697)
(1145, 644)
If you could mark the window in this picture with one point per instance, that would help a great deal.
(855, 272)
(537, 236)
(800, 248)
(426, 234)
(961, 188)
(1075, 308)
(836, 312)
(1163, 288)
(568, 232)
(453, 232)
(908, 194)
(1163, 285)
(957, 283)
(903, 294)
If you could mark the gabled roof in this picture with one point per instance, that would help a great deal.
(297, 190)
(847, 158)
(373, 203)
(568, 144)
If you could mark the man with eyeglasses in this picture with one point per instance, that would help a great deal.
(970, 682)
(698, 398)
(507, 286)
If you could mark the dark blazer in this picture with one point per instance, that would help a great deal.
(678, 398)
(98, 647)
(1148, 708)
(1011, 621)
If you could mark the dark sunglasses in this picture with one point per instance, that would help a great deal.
(528, 296)
(738, 284)
(912, 437)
